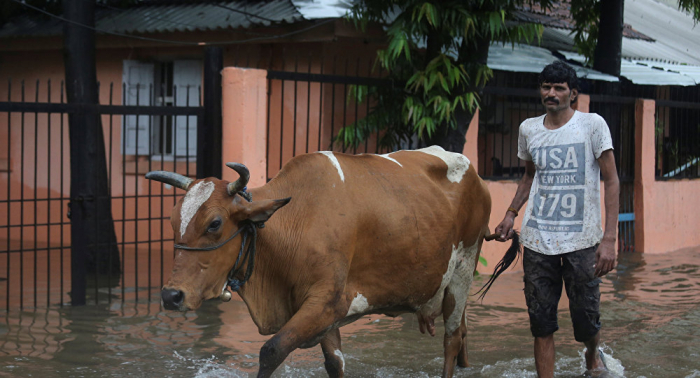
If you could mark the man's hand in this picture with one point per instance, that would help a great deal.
(605, 258)
(505, 229)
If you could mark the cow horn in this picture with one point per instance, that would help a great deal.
(175, 179)
(238, 185)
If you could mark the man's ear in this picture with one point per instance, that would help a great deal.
(574, 95)
(261, 211)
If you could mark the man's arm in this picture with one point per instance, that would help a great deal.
(606, 254)
(505, 228)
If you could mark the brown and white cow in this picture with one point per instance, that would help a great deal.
(351, 236)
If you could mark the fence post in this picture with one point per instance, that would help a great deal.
(245, 117)
(644, 166)
(209, 129)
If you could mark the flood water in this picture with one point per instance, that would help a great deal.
(650, 317)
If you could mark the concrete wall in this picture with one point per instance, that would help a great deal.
(665, 211)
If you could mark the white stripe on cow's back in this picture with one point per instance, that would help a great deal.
(386, 156)
(336, 164)
(457, 164)
(194, 198)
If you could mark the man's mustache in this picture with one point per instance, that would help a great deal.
(553, 99)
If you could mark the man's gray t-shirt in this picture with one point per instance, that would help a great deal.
(563, 210)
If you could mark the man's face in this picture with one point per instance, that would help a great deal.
(556, 96)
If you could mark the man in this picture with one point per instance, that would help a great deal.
(565, 151)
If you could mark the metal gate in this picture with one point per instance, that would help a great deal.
(619, 113)
(37, 251)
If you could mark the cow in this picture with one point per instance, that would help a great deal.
(351, 235)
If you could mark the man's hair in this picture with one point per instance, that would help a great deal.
(559, 72)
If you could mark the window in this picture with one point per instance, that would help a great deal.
(175, 83)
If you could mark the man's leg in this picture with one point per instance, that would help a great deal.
(593, 359)
(583, 290)
(544, 356)
(543, 287)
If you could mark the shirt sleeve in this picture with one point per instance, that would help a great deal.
(601, 140)
(523, 152)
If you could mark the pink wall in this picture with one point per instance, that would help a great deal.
(665, 211)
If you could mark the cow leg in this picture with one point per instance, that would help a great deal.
(453, 334)
(463, 356)
(335, 362)
(305, 326)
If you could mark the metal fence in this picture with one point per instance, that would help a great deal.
(306, 110)
(619, 114)
(35, 232)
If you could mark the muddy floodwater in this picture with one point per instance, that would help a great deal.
(650, 317)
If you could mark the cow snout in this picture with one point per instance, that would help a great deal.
(172, 298)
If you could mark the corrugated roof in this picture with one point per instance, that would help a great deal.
(652, 72)
(560, 17)
(167, 18)
(524, 58)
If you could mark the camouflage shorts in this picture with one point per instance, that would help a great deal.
(544, 276)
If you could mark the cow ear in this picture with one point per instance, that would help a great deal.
(261, 211)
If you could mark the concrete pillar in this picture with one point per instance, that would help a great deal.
(244, 119)
(583, 103)
(644, 162)
(471, 146)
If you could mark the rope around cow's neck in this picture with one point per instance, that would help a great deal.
(248, 230)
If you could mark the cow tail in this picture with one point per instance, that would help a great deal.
(511, 255)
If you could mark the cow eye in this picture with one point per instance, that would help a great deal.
(213, 226)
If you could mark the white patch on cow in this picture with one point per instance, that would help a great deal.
(342, 359)
(457, 279)
(457, 164)
(358, 306)
(194, 198)
(335, 162)
(386, 156)
(460, 284)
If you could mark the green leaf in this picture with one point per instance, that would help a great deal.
(483, 261)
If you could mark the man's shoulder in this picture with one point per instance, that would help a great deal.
(591, 118)
(529, 123)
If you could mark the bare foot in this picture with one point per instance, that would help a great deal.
(595, 363)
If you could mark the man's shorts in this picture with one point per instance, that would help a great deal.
(544, 275)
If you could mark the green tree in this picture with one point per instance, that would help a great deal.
(436, 58)
(436, 61)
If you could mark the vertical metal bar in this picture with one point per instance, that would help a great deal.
(109, 183)
(61, 193)
(281, 124)
(294, 124)
(367, 110)
(123, 254)
(320, 107)
(308, 107)
(345, 101)
(173, 126)
(335, 58)
(150, 191)
(161, 189)
(136, 202)
(357, 107)
(21, 211)
(48, 197)
(9, 193)
(36, 198)
(267, 141)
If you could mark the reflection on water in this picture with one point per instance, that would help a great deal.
(650, 329)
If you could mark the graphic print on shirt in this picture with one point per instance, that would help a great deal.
(561, 175)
